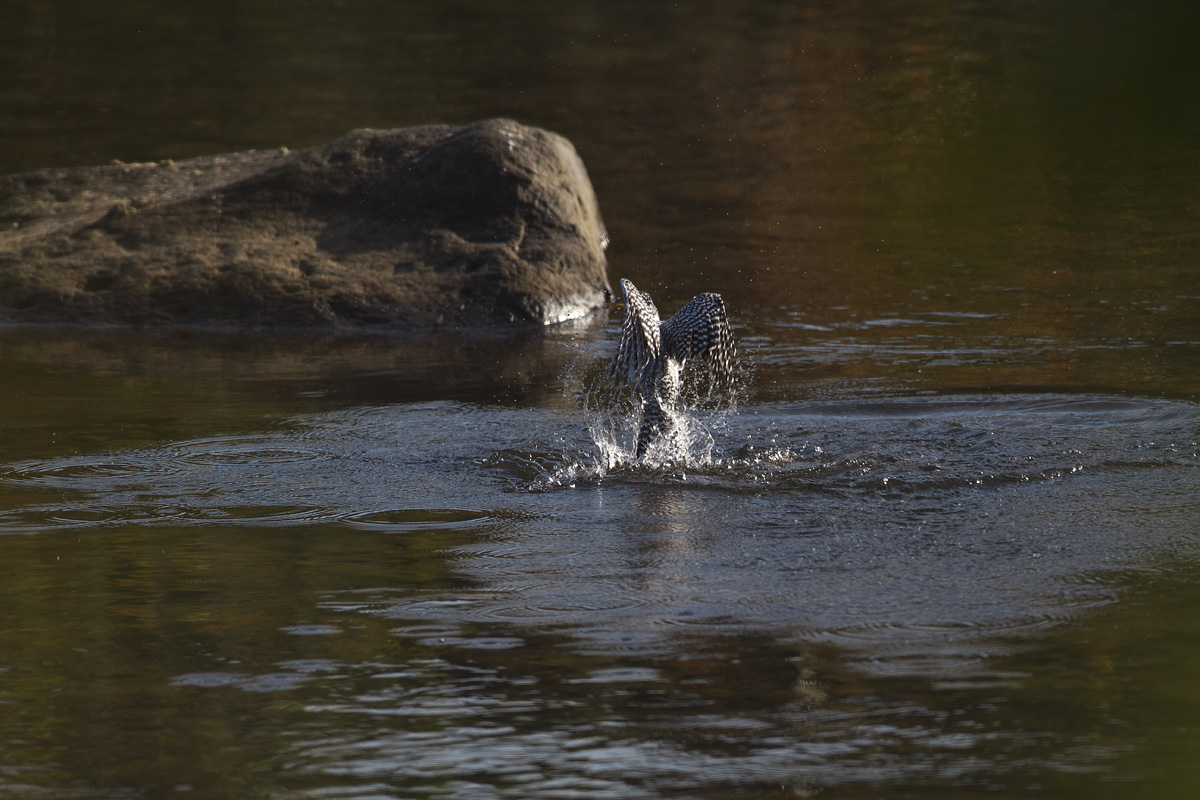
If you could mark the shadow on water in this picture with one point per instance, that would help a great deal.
(72, 390)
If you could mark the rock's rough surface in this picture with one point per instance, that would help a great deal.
(436, 225)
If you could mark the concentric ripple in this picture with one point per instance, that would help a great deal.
(878, 525)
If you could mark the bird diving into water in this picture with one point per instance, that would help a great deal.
(651, 354)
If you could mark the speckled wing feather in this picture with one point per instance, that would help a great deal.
(700, 330)
(638, 360)
(651, 355)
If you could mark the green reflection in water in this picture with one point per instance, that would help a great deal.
(151, 659)
(95, 627)
(894, 198)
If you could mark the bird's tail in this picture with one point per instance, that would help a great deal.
(656, 423)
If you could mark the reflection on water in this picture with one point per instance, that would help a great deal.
(946, 545)
(835, 599)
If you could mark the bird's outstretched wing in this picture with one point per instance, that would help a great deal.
(638, 352)
(700, 330)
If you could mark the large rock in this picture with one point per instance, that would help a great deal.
(437, 225)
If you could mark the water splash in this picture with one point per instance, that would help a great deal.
(612, 415)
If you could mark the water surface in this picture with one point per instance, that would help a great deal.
(945, 544)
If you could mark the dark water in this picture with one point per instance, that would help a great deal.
(946, 545)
